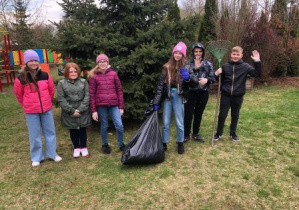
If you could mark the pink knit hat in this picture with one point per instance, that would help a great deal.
(180, 47)
(102, 57)
(30, 55)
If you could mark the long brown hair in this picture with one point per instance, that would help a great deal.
(173, 67)
(28, 75)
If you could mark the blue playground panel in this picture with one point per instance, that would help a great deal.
(40, 53)
(11, 59)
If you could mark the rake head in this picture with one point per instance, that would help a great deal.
(219, 48)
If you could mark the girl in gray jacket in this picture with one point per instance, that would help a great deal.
(73, 98)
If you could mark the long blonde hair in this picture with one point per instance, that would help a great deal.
(92, 72)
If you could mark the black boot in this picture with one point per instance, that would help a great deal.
(181, 148)
(165, 146)
(106, 149)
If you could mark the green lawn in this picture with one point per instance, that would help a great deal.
(262, 172)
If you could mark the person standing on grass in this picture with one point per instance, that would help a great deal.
(171, 91)
(106, 97)
(34, 90)
(202, 73)
(73, 98)
(233, 87)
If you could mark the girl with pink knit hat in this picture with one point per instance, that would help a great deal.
(106, 97)
(171, 92)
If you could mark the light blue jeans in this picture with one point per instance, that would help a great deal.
(41, 122)
(116, 118)
(175, 103)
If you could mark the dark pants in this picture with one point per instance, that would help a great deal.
(195, 106)
(227, 102)
(78, 137)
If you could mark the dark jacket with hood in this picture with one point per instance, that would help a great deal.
(234, 75)
(204, 71)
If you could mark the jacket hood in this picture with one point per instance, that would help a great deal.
(199, 45)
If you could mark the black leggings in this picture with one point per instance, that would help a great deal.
(195, 106)
(78, 137)
(227, 102)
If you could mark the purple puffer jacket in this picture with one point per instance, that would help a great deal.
(105, 89)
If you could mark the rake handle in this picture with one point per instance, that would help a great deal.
(217, 104)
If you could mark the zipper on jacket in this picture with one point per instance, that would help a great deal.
(40, 100)
(169, 83)
(233, 79)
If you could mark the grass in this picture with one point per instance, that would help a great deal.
(262, 172)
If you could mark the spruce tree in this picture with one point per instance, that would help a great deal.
(207, 27)
(136, 36)
(80, 32)
(21, 33)
(174, 12)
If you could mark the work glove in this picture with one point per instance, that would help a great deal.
(156, 107)
(184, 73)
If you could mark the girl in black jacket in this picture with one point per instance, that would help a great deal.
(171, 90)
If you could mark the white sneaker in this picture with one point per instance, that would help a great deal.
(84, 152)
(76, 153)
(57, 158)
(35, 164)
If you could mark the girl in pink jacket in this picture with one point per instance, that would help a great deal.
(106, 97)
(34, 90)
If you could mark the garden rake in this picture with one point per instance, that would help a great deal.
(218, 49)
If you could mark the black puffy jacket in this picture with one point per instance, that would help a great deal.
(163, 90)
(234, 75)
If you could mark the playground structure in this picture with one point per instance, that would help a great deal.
(11, 59)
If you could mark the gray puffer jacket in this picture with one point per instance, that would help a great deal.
(74, 95)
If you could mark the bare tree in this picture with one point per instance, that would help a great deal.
(6, 8)
(236, 20)
(192, 7)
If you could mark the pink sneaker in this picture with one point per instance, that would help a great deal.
(85, 153)
(76, 153)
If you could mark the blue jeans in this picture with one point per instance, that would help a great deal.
(116, 118)
(175, 103)
(36, 123)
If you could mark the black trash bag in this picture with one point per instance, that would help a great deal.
(146, 146)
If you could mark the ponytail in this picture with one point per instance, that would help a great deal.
(91, 72)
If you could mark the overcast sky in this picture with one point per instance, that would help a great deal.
(51, 10)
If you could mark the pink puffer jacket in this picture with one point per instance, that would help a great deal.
(105, 89)
(34, 100)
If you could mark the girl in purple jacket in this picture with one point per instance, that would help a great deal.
(106, 97)
(34, 90)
